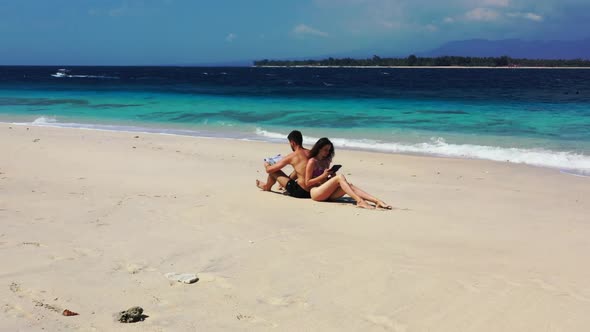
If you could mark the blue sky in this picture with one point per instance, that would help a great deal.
(151, 32)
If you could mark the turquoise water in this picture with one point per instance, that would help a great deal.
(536, 117)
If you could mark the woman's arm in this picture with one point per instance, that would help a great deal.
(309, 182)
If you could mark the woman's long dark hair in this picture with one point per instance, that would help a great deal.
(319, 145)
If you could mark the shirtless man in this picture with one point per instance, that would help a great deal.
(298, 159)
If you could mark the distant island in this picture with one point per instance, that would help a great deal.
(441, 61)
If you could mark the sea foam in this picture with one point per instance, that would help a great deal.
(91, 76)
(44, 121)
(568, 162)
(571, 162)
(53, 122)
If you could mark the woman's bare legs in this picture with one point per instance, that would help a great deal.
(337, 194)
(366, 196)
(362, 194)
(327, 190)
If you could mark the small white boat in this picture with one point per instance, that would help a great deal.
(61, 73)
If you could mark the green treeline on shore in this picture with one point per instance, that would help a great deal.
(442, 61)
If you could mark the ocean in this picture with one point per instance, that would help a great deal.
(539, 117)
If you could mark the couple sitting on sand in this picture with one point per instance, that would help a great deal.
(313, 178)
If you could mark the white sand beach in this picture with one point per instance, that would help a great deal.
(91, 221)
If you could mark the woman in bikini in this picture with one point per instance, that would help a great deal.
(326, 186)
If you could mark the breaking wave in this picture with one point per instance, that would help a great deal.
(569, 162)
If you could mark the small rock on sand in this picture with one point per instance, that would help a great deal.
(187, 278)
(131, 315)
(67, 312)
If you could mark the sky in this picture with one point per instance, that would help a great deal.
(185, 32)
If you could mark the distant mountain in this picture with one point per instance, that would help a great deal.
(515, 48)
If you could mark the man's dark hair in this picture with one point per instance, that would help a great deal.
(296, 137)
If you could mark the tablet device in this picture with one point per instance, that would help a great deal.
(335, 168)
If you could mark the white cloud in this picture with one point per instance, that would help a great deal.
(112, 12)
(131, 8)
(482, 14)
(449, 20)
(231, 37)
(389, 24)
(528, 16)
(302, 30)
(94, 12)
(120, 11)
(386, 24)
(430, 27)
(533, 17)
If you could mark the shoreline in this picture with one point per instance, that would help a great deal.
(93, 220)
(409, 148)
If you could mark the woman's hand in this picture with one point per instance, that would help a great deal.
(326, 174)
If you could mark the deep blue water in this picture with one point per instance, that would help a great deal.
(535, 116)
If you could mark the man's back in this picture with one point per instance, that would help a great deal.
(299, 162)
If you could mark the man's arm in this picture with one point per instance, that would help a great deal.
(279, 165)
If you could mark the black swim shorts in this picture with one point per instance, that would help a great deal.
(295, 190)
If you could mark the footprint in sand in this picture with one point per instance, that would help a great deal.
(279, 301)
(15, 287)
(285, 301)
(160, 302)
(33, 244)
(60, 258)
(99, 223)
(18, 289)
(134, 268)
(87, 252)
(47, 306)
(15, 311)
(472, 286)
(544, 285)
(386, 322)
(579, 297)
(507, 281)
(255, 320)
(35, 296)
(218, 280)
